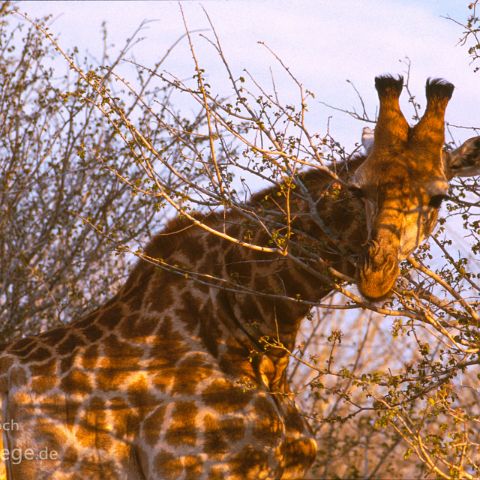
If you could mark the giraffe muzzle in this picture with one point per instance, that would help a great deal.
(378, 272)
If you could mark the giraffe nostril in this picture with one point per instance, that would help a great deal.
(376, 256)
(378, 273)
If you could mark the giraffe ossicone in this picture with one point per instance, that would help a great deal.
(171, 379)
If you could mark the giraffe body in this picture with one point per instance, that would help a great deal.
(167, 380)
(171, 378)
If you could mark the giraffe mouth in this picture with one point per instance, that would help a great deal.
(378, 272)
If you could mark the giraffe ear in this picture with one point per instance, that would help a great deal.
(368, 136)
(465, 160)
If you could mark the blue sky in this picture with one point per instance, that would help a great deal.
(323, 42)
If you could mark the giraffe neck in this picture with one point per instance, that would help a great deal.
(234, 300)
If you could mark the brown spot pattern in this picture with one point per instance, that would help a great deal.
(182, 429)
(152, 425)
(225, 397)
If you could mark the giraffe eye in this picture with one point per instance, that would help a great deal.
(436, 200)
(356, 191)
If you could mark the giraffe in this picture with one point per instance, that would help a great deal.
(170, 378)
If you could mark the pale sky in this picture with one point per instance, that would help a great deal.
(323, 42)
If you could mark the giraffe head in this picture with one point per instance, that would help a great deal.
(403, 181)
